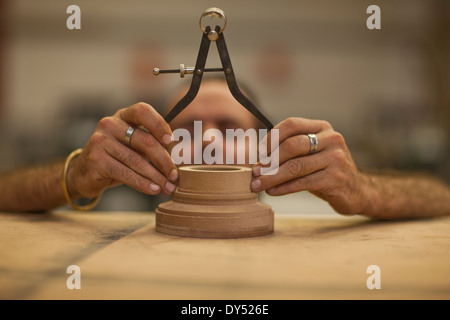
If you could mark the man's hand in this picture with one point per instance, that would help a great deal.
(106, 160)
(330, 172)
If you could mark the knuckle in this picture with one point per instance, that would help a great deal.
(158, 125)
(292, 144)
(94, 156)
(339, 179)
(290, 123)
(298, 184)
(98, 138)
(142, 105)
(126, 173)
(325, 124)
(337, 154)
(148, 140)
(134, 160)
(334, 175)
(337, 138)
(339, 157)
(120, 111)
(141, 109)
(295, 167)
(105, 123)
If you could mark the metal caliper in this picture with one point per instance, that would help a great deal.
(217, 36)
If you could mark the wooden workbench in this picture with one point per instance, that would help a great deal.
(308, 257)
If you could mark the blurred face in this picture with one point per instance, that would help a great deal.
(217, 109)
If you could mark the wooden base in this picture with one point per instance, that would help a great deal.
(214, 201)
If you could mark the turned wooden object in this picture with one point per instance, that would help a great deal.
(214, 201)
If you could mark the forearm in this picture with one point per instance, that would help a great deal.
(405, 196)
(32, 189)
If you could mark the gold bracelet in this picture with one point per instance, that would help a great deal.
(87, 207)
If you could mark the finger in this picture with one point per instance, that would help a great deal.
(146, 144)
(296, 126)
(120, 172)
(143, 142)
(325, 185)
(291, 169)
(312, 182)
(138, 165)
(142, 114)
(291, 127)
(299, 145)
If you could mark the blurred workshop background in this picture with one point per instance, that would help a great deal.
(387, 91)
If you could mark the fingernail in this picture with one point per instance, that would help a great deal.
(154, 187)
(257, 171)
(256, 184)
(173, 175)
(170, 187)
(167, 139)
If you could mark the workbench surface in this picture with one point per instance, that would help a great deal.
(308, 257)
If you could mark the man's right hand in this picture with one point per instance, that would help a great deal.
(107, 160)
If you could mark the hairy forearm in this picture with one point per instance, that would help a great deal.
(32, 189)
(405, 196)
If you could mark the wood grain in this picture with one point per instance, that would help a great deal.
(214, 201)
(121, 256)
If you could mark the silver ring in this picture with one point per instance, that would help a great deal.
(314, 143)
(128, 135)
